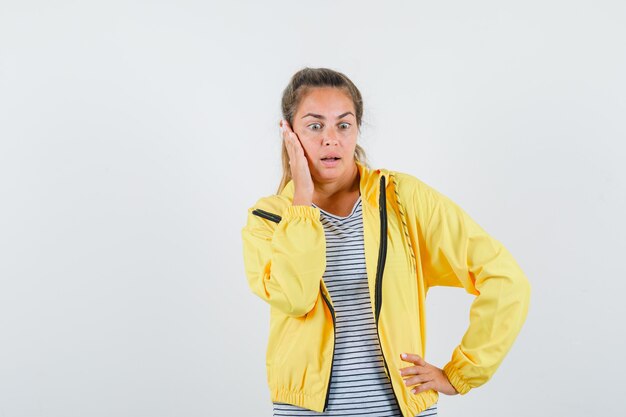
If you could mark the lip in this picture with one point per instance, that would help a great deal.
(331, 155)
(332, 162)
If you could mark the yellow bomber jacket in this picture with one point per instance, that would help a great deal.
(415, 238)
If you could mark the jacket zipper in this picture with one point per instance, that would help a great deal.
(382, 256)
(332, 312)
(382, 252)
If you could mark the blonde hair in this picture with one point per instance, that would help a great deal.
(299, 84)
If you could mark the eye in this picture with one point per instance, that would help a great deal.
(313, 125)
(347, 125)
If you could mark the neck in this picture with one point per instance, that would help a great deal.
(329, 190)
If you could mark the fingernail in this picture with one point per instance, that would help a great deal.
(414, 391)
(403, 356)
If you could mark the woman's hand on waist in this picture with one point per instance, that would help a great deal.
(426, 375)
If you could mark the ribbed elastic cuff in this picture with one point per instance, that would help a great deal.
(302, 211)
(455, 379)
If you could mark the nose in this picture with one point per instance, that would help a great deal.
(330, 139)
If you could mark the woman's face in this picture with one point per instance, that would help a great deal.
(326, 124)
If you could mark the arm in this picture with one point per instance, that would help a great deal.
(460, 253)
(285, 261)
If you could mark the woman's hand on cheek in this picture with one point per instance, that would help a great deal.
(303, 182)
(425, 374)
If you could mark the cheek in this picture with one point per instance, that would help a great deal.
(307, 135)
(351, 141)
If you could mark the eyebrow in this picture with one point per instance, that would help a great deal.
(319, 116)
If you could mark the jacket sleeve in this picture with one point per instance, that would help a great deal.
(285, 261)
(462, 254)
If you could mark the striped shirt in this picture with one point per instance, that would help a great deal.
(359, 385)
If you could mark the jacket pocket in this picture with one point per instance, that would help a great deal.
(283, 333)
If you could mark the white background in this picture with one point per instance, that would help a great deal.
(135, 135)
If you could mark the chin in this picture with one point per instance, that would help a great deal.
(327, 173)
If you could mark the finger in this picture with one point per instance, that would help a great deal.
(289, 147)
(283, 129)
(414, 370)
(288, 135)
(423, 387)
(289, 131)
(411, 357)
(418, 379)
(287, 126)
(297, 145)
(297, 150)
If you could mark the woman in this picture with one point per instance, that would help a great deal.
(344, 256)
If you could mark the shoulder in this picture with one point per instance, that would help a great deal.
(422, 199)
(413, 189)
(274, 202)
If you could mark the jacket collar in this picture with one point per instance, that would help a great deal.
(369, 184)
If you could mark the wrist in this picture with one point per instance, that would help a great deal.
(301, 203)
(455, 379)
(299, 200)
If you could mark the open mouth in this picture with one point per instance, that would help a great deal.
(330, 161)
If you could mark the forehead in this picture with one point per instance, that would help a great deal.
(329, 100)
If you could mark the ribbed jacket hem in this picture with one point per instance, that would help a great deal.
(313, 402)
(420, 402)
(302, 211)
(455, 379)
